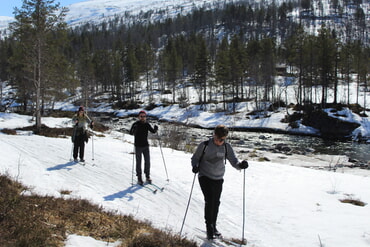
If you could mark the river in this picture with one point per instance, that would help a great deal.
(184, 135)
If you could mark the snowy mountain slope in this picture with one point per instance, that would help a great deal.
(4, 22)
(98, 10)
(285, 205)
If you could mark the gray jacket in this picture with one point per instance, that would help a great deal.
(212, 164)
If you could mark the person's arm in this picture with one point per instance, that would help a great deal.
(231, 157)
(74, 120)
(89, 121)
(196, 158)
(133, 129)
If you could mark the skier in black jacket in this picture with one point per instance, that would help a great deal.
(140, 130)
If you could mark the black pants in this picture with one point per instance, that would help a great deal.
(79, 145)
(142, 151)
(212, 192)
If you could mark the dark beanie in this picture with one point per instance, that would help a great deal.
(81, 108)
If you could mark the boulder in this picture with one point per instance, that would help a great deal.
(330, 128)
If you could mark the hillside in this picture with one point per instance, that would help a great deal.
(336, 15)
(97, 11)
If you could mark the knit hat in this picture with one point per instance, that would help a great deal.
(81, 108)
(142, 112)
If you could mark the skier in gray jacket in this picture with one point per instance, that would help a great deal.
(209, 160)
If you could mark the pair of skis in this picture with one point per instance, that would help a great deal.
(83, 163)
(220, 242)
(152, 187)
(78, 162)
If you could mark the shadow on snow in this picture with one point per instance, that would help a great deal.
(127, 193)
(66, 166)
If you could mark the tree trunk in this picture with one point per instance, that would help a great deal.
(38, 87)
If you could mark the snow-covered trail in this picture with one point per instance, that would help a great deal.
(285, 205)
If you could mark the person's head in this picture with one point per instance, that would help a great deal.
(142, 116)
(81, 110)
(220, 133)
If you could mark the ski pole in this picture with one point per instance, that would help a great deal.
(133, 161)
(187, 207)
(243, 207)
(72, 151)
(73, 139)
(164, 162)
(92, 142)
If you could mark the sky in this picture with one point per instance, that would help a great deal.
(7, 7)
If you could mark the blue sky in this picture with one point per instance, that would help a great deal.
(7, 6)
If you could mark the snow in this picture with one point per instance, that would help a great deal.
(99, 10)
(286, 204)
(75, 240)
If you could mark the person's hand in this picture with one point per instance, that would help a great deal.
(155, 128)
(243, 164)
(92, 125)
(195, 169)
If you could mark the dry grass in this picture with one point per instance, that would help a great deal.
(47, 221)
(353, 201)
(9, 131)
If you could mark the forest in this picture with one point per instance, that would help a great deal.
(233, 49)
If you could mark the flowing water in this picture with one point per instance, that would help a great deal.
(259, 140)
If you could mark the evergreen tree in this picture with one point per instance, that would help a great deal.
(173, 65)
(237, 58)
(85, 67)
(346, 64)
(326, 61)
(296, 51)
(202, 68)
(362, 67)
(267, 68)
(5, 51)
(131, 70)
(253, 50)
(146, 58)
(36, 28)
(223, 68)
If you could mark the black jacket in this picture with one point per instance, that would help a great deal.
(140, 131)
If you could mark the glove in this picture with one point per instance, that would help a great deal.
(92, 125)
(243, 164)
(155, 128)
(195, 169)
